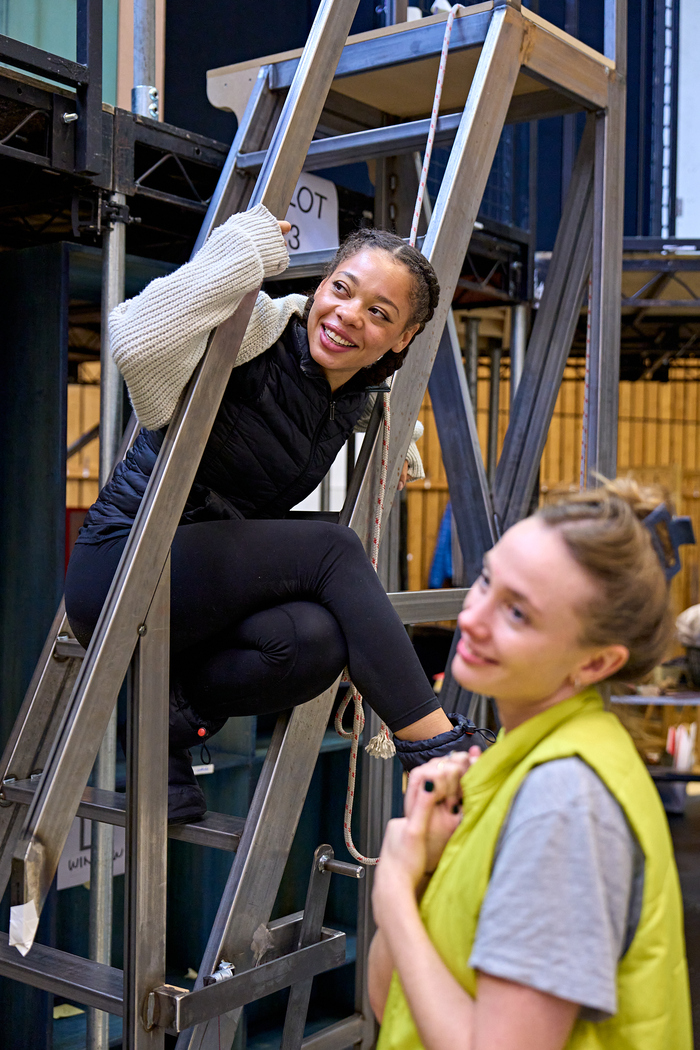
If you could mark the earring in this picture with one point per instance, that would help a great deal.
(577, 682)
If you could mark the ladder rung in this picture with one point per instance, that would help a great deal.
(364, 145)
(337, 1036)
(218, 830)
(94, 984)
(428, 606)
(67, 646)
(82, 980)
(178, 1010)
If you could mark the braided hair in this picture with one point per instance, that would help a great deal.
(425, 290)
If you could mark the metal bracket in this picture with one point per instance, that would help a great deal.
(111, 212)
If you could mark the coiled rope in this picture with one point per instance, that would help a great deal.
(381, 745)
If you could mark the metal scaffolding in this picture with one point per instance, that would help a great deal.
(512, 66)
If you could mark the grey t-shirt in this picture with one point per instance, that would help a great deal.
(565, 893)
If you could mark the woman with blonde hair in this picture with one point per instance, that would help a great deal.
(530, 900)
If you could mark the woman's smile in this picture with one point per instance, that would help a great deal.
(334, 338)
(469, 656)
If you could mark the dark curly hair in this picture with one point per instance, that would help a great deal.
(425, 292)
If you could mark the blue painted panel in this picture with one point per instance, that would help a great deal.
(50, 25)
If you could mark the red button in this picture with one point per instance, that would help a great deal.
(201, 732)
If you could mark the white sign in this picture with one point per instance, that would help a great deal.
(313, 214)
(74, 865)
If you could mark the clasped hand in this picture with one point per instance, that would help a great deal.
(414, 843)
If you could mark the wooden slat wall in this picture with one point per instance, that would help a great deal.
(658, 440)
(426, 503)
(82, 469)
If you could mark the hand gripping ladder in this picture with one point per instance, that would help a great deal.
(69, 701)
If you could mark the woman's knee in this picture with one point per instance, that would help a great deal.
(339, 541)
(318, 635)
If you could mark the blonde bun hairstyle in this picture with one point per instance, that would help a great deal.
(603, 531)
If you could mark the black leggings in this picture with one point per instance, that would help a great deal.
(265, 615)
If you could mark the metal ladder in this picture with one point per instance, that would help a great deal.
(69, 702)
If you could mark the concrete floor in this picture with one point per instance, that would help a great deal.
(685, 831)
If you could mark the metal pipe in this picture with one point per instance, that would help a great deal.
(494, 399)
(144, 94)
(325, 494)
(111, 383)
(518, 342)
(472, 355)
(101, 897)
(111, 408)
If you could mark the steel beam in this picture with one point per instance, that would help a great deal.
(604, 366)
(397, 48)
(448, 236)
(469, 489)
(88, 94)
(550, 343)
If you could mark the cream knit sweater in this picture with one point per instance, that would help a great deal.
(158, 338)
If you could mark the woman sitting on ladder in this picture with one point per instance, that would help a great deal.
(531, 902)
(266, 612)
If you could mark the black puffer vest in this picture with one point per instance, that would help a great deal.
(276, 433)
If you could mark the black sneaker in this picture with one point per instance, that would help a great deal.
(186, 803)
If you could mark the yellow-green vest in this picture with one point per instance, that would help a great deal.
(652, 979)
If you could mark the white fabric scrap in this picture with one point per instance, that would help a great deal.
(23, 925)
(688, 626)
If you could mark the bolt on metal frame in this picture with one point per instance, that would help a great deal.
(73, 699)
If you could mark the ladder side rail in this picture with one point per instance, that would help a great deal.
(550, 343)
(41, 713)
(310, 933)
(254, 131)
(52, 809)
(147, 821)
(29, 744)
(362, 462)
(470, 495)
(447, 239)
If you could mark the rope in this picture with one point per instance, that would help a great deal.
(382, 746)
(433, 123)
